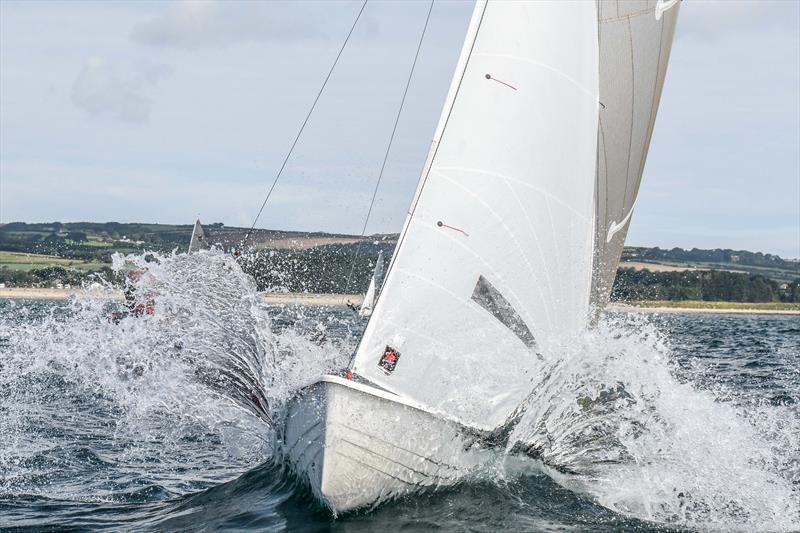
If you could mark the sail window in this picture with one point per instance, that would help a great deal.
(485, 295)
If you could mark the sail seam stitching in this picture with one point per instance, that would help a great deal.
(629, 16)
(477, 311)
(633, 117)
(535, 238)
(441, 170)
(510, 234)
(653, 107)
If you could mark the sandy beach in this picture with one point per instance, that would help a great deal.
(28, 293)
(625, 308)
(293, 298)
(656, 267)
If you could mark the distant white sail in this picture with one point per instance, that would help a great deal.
(374, 286)
(198, 241)
(497, 263)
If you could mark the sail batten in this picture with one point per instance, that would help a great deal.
(516, 181)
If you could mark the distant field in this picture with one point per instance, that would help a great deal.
(294, 243)
(21, 261)
(695, 304)
(95, 240)
(656, 267)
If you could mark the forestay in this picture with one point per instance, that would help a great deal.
(493, 269)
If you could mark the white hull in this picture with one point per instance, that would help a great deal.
(357, 446)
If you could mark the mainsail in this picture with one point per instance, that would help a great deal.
(495, 266)
(374, 286)
(198, 240)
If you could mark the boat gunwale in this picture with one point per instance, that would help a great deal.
(392, 397)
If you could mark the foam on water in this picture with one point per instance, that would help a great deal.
(610, 420)
(205, 368)
(189, 397)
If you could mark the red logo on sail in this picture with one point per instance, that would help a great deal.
(389, 360)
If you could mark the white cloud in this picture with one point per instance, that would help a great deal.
(722, 169)
(118, 90)
(198, 24)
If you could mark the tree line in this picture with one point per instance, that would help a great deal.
(348, 269)
(324, 269)
(697, 255)
(706, 285)
(50, 275)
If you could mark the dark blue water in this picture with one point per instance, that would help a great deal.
(108, 426)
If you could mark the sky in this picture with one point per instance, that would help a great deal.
(155, 111)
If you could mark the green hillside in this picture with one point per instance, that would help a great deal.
(39, 254)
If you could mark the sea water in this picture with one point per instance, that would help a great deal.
(167, 421)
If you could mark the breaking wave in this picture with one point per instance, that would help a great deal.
(611, 420)
(205, 370)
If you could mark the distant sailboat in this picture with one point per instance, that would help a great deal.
(509, 249)
(198, 241)
(371, 295)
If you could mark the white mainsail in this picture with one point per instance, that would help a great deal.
(374, 286)
(494, 262)
(198, 240)
(501, 256)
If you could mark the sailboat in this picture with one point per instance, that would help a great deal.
(509, 249)
(198, 241)
(371, 296)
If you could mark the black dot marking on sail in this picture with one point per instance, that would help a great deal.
(488, 76)
(439, 223)
(488, 297)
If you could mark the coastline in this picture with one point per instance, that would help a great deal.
(669, 309)
(330, 299)
(273, 298)
(31, 293)
(301, 298)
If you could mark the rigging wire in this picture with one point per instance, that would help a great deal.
(389, 146)
(303, 126)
